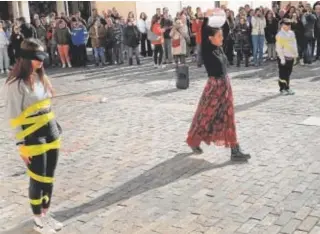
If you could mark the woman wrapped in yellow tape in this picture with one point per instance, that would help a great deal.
(28, 104)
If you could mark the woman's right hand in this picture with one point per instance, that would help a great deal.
(26, 160)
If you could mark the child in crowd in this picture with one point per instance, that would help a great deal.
(79, 37)
(286, 47)
(158, 41)
(242, 41)
(98, 34)
(132, 40)
(52, 44)
(63, 38)
(118, 40)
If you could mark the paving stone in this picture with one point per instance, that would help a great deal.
(308, 223)
(291, 226)
(284, 218)
(303, 213)
(315, 230)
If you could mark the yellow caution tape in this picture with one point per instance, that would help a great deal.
(35, 150)
(42, 179)
(37, 202)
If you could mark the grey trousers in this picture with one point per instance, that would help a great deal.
(199, 55)
(272, 51)
(4, 58)
(53, 54)
(167, 50)
(118, 53)
(134, 51)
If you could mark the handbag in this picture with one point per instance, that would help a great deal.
(175, 43)
(152, 36)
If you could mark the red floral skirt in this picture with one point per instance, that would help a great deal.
(214, 119)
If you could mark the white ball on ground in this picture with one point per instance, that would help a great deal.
(102, 100)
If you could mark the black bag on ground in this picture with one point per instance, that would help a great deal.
(182, 81)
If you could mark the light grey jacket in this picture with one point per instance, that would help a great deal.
(19, 96)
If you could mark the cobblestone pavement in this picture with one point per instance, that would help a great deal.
(125, 167)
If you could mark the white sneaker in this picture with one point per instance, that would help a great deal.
(63, 66)
(301, 62)
(69, 65)
(1, 71)
(56, 225)
(156, 66)
(163, 66)
(41, 226)
(5, 71)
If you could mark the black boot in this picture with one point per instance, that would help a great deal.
(238, 155)
(238, 62)
(197, 150)
(130, 61)
(246, 61)
(138, 62)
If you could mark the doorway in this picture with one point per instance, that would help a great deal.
(4, 11)
(84, 7)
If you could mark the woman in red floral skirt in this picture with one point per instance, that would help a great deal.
(214, 119)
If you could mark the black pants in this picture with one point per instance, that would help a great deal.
(158, 54)
(240, 55)
(318, 47)
(284, 74)
(79, 55)
(109, 55)
(42, 165)
(228, 49)
(144, 40)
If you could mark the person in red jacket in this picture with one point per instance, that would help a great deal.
(158, 49)
(196, 28)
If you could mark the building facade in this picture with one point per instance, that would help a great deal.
(10, 10)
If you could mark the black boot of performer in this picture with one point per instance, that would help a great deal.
(130, 61)
(138, 61)
(238, 155)
(246, 60)
(197, 150)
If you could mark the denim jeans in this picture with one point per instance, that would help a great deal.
(307, 52)
(99, 54)
(258, 43)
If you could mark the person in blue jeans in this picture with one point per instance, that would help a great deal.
(98, 35)
(258, 22)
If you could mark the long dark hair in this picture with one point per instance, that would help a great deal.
(154, 20)
(22, 70)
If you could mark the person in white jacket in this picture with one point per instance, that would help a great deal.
(258, 25)
(143, 27)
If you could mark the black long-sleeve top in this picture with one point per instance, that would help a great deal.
(214, 59)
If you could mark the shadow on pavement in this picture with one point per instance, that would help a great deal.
(179, 167)
(315, 79)
(244, 107)
(162, 92)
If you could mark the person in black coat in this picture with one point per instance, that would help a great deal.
(16, 40)
(298, 29)
(132, 40)
(26, 29)
(242, 41)
(271, 31)
(228, 36)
